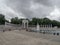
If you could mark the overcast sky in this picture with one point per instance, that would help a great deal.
(30, 8)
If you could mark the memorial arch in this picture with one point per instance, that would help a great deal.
(25, 23)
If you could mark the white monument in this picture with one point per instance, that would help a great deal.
(25, 23)
(38, 27)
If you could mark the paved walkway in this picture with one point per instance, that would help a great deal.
(25, 38)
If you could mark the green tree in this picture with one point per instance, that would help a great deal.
(34, 21)
(14, 20)
(2, 19)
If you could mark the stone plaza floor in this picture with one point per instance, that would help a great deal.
(27, 38)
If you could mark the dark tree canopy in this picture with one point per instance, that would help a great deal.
(16, 20)
(34, 21)
(2, 19)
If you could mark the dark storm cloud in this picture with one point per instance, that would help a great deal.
(23, 6)
(46, 2)
(32, 8)
(20, 6)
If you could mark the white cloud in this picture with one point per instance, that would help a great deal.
(34, 6)
(55, 14)
(9, 12)
(30, 8)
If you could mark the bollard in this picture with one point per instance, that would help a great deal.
(3, 30)
(54, 33)
(57, 33)
(44, 32)
(26, 29)
(9, 29)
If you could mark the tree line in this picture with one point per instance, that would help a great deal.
(34, 21)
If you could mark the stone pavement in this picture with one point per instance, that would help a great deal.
(25, 38)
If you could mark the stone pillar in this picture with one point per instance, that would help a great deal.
(45, 26)
(24, 24)
(51, 25)
(27, 24)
